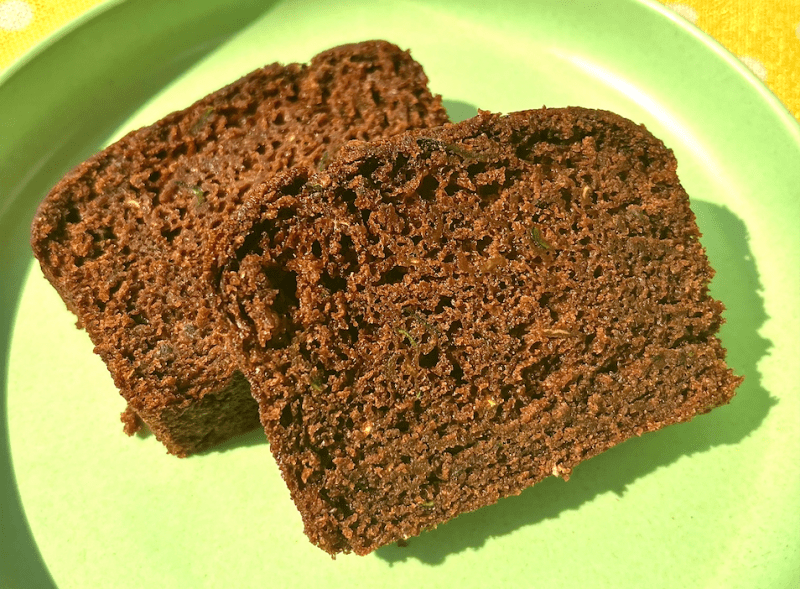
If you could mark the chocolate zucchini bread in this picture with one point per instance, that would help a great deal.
(119, 237)
(446, 317)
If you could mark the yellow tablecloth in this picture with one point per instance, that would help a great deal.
(764, 34)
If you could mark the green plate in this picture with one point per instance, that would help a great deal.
(711, 503)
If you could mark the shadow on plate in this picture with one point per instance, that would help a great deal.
(737, 284)
(255, 437)
(145, 45)
(459, 111)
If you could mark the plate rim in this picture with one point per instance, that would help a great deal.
(731, 60)
(54, 36)
(51, 41)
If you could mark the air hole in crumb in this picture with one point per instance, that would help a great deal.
(316, 249)
(155, 176)
(400, 161)
(367, 168)
(296, 186)
(532, 391)
(333, 283)
(566, 196)
(487, 191)
(430, 359)
(73, 216)
(393, 276)
(443, 302)
(286, 284)
(254, 243)
(103, 234)
(285, 213)
(483, 243)
(352, 333)
(457, 373)
(139, 319)
(170, 235)
(427, 188)
(286, 416)
(598, 272)
(454, 327)
(517, 331)
(347, 252)
(349, 197)
(455, 450)
(475, 169)
(610, 366)
(325, 461)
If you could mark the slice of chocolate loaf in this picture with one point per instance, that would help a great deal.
(119, 237)
(444, 318)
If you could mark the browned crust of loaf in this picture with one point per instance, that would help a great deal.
(119, 237)
(444, 318)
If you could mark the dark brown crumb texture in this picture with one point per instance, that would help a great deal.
(447, 317)
(119, 237)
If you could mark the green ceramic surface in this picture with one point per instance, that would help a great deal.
(711, 503)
